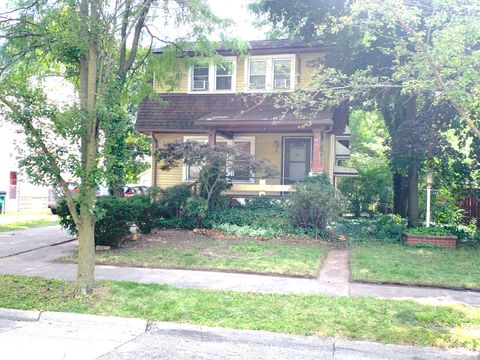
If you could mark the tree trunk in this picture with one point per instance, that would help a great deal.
(86, 252)
(413, 215)
(89, 146)
(400, 193)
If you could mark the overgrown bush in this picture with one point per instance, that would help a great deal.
(112, 219)
(445, 210)
(173, 199)
(196, 210)
(433, 231)
(382, 227)
(144, 210)
(390, 226)
(314, 203)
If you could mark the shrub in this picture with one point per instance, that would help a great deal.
(383, 227)
(433, 231)
(144, 210)
(196, 209)
(390, 227)
(112, 219)
(445, 210)
(173, 199)
(315, 203)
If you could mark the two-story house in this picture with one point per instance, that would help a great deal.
(234, 100)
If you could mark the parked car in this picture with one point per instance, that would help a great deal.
(55, 194)
(102, 190)
(131, 190)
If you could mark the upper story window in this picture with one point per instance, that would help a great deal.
(213, 77)
(266, 73)
(224, 76)
(258, 74)
(281, 73)
(200, 74)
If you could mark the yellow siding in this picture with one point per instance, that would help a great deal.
(264, 149)
(307, 64)
(161, 83)
(240, 80)
(174, 176)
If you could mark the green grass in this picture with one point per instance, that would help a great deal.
(402, 322)
(27, 224)
(383, 262)
(293, 258)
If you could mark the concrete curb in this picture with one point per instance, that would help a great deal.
(134, 324)
(19, 315)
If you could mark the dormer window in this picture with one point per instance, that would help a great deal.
(213, 77)
(258, 74)
(266, 73)
(224, 75)
(200, 77)
(281, 74)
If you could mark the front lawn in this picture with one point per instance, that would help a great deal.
(187, 250)
(28, 224)
(395, 263)
(401, 322)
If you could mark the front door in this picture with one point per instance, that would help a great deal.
(296, 159)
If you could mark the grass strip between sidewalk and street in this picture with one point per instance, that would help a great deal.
(400, 322)
(395, 263)
(27, 224)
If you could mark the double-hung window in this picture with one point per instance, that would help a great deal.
(244, 144)
(281, 74)
(266, 73)
(224, 76)
(258, 74)
(200, 74)
(213, 77)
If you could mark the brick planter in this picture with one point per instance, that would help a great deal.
(441, 241)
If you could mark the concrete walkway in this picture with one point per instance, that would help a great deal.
(56, 336)
(16, 242)
(333, 277)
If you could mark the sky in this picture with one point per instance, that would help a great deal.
(234, 10)
(238, 12)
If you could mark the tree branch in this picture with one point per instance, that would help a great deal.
(30, 129)
(435, 69)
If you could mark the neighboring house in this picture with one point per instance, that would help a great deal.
(233, 102)
(20, 194)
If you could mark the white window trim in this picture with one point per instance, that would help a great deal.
(197, 138)
(212, 78)
(230, 142)
(251, 140)
(269, 73)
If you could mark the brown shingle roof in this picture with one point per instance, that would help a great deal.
(199, 112)
(267, 46)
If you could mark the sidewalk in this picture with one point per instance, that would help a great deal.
(53, 336)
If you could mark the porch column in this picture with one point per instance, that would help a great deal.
(212, 137)
(317, 152)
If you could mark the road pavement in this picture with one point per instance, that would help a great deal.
(52, 336)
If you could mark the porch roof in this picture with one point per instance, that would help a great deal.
(201, 112)
(344, 171)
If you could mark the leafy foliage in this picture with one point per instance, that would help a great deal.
(217, 163)
(112, 216)
(435, 231)
(315, 203)
(381, 227)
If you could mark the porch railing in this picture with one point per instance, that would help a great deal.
(259, 186)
